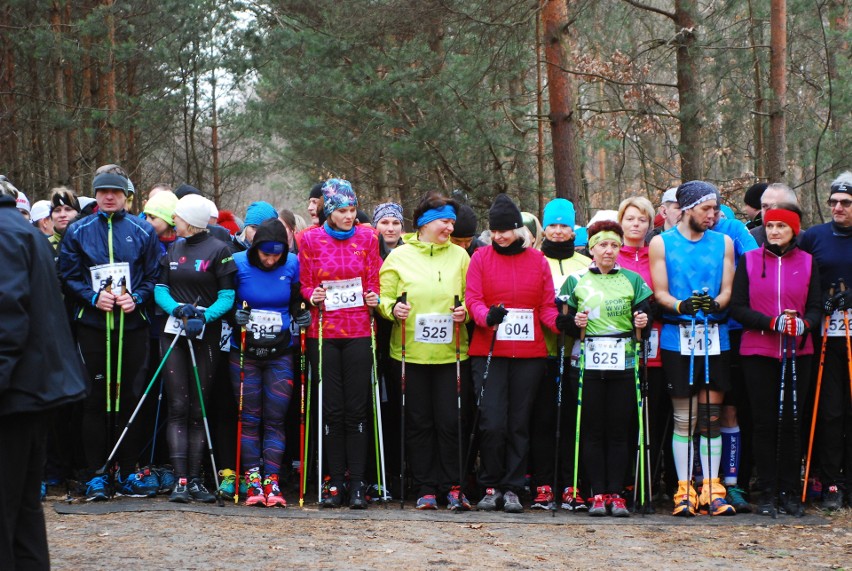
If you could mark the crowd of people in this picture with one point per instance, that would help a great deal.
(666, 349)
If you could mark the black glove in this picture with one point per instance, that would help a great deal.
(689, 306)
(193, 326)
(709, 305)
(842, 300)
(241, 316)
(564, 322)
(495, 316)
(302, 318)
(186, 310)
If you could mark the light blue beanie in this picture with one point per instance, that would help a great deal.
(559, 211)
(258, 212)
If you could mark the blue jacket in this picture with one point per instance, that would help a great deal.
(86, 244)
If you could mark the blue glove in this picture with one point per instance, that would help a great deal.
(193, 326)
(186, 310)
(303, 318)
(241, 316)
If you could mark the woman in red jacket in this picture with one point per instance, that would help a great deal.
(510, 296)
(339, 273)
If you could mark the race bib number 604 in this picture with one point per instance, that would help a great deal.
(517, 326)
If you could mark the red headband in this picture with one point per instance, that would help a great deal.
(788, 217)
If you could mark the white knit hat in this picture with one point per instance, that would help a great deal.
(40, 210)
(194, 209)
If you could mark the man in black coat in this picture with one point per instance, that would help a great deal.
(39, 371)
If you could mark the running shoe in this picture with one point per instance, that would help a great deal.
(712, 500)
(143, 483)
(43, 490)
(374, 494)
(357, 501)
(685, 500)
(572, 503)
(274, 497)
(492, 500)
(766, 504)
(543, 499)
(96, 489)
(617, 506)
(832, 498)
(200, 493)
(790, 504)
(598, 506)
(254, 489)
(427, 502)
(511, 503)
(228, 483)
(180, 493)
(456, 501)
(736, 497)
(166, 477)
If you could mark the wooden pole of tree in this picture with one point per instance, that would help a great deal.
(689, 91)
(759, 111)
(560, 90)
(539, 102)
(776, 163)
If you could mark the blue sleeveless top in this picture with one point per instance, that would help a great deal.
(692, 266)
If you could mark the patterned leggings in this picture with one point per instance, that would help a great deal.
(267, 390)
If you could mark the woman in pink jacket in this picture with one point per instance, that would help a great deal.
(510, 296)
(777, 298)
(339, 273)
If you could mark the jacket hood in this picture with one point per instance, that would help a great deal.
(271, 230)
(426, 247)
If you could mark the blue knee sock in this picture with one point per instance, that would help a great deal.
(730, 454)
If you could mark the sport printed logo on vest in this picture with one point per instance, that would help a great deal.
(202, 265)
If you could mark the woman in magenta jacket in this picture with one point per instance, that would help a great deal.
(776, 296)
(339, 273)
(510, 296)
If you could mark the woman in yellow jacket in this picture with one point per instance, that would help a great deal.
(430, 270)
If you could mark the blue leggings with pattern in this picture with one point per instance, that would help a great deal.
(267, 390)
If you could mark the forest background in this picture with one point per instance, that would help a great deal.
(594, 100)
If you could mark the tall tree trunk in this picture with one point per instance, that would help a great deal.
(560, 89)
(777, 162)
(68, 71)
(759, 108)
(9, 160)
(689, 91)
(838, 23)
(214, 134)
(539, 113)
(108, 84)
(61, 109)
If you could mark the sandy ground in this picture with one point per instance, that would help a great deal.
(153, 534)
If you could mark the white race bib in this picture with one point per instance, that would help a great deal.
(225, 339)
(605, 353)
(436, 328)
(341, 294)
(100, 274)
(517, 326)
(263, 322)
(686, 340)
(654, 344)
(173, 326)
(836, 327)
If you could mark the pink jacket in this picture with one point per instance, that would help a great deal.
(323, 259)
(522, 281)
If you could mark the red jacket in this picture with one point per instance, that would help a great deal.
(522, 281)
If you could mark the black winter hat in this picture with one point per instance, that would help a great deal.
(465, 226)
(753, 194)
(185, 189)
(504, 214)
(316, 190)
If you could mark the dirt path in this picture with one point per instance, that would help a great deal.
(208, 537)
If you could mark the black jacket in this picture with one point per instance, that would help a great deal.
(39, 365)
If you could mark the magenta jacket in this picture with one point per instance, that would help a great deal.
(522, 281)
(764, 286)
(322, 259)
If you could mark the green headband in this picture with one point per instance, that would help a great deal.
(605, 235)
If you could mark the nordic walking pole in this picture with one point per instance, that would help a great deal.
(240, 407)
(157, 422)
(564, 309)
(842, 284)
(475, 426)
(141, 402)
(402, 299)
(307, 441)
(320, 428)
(825, 326)
(302, 470)
(794, 406)
(582, 367)
(782, 387)
(708, 477)
(457, 303)
(204, 417)
(109, 408)
(691, 448)
(378, 438)
(640, 452)
(122, 283)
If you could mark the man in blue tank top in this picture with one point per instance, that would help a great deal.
(693, 270)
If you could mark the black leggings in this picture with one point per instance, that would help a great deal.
(608, 418)
(96, 426)
(185, 432)
(346, 400)
(764, 381)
